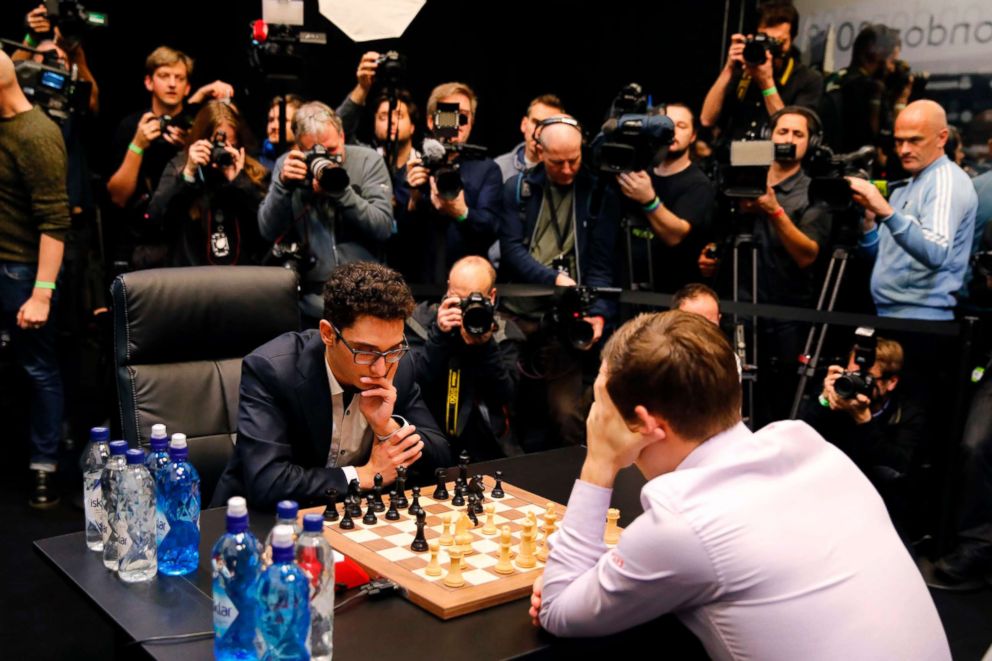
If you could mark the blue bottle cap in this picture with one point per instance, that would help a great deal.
(98, 434)
(287, 509)
(135, 456)
(313, 522)
(118, 447)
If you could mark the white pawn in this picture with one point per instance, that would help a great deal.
(490, 527)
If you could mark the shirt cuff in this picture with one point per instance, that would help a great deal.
(350, 473)
(586, 513)
(896, 222)
(869, 238)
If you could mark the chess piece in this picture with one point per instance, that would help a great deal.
(353, 504)
(454, 578)
(392, 514)
(346, 522)
(434, 567)
(497, 491)
(463, 538)
(459, 498)
(377, 492)
(475, 500)
(612, 535)
(478, 486)
(331, 511)
(525, 558)
(490, 527)
(446, 538)
(441, 492)
(504, 566)
(370, 519)
(420, 541)
(415, 505)
(470, 510)
(463, 460)
(401, 501)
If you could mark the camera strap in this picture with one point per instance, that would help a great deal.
(745, 81)
(555, 225)
(451, 401)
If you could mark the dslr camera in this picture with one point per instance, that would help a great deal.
(183, 121)
(219, 155)
(567, 318)
(391, 68)
(757, 47)
(856, 382)
(325, 168)
(477, 314)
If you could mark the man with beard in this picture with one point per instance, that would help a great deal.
(677, 199)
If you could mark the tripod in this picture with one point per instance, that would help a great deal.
(749, 370)
(809, 362)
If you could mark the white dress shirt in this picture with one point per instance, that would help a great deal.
(768, 546)
(351, 436)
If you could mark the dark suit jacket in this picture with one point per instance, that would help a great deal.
(285, 424)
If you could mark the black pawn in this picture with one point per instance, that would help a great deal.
(441, 493)
(415, 507)
(420, 541)
(331, 512)
(377, 493)
(370, 519)
(497, 491)
(459, 498)
(463, 460)
(401, 501)
(392, 514)
(346, 522)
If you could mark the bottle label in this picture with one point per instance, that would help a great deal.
(161, 523)
(225, 612)
(93, 502)
(123, 537)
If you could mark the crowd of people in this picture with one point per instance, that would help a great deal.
(188, 187)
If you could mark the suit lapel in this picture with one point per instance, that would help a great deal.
(314, 393)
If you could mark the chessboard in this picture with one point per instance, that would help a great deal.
(383, 549)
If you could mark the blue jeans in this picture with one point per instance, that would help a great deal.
(34, 350)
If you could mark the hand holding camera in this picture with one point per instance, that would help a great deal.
(709, 261)
(856, 404)
(294, 168)
(37, 20)
(365, 75)
(198, 157)
(455, 207)
(637, 186)
(149, 130)
(867, 195)
(474, 317)
(417, 174)
(766, 205)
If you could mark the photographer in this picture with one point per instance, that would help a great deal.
(270, 147)
(552, 233)
(524, 156)
(32, 231)
(146, 141)
(749, 90)
(442, 229)
(921, 237)
(879, 427)
(207, 199)
(677, 199)
(336, 217)
(71, 53)
(466, 359)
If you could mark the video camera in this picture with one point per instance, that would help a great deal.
(828, 171)
(275, 47)
(477, 314)
(442, 162)
(757, 47)
(325, 168)
(859, 382)
(631, 139)
(73, 20)
(746, 176)
(51, 88)
(567, 318)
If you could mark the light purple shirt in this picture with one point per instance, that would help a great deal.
(768, 546)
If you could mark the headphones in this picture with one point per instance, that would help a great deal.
(557, 119)
(812, 121)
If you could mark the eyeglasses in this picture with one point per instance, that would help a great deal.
(366, 357)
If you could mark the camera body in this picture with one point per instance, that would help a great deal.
(391, 68)
(828, 171)
(325, 168)
(53, 89)
(757, 47)
(73, 19)
(852, 383)
(219, 155)
(477, 314)
(632, 142)
(567, 318)
(183, 121)
(442, 160)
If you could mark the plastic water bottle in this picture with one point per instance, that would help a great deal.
(236, 561)
(286, 511)
(179, 552)
(136, 511)
(284, 602)
(91, 463)
(158, 463)
(110, 491)
(315, 557)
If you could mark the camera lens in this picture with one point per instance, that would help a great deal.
(449, 183)
(848, 385)
(754, 52)
(331, 178)
(580, 333)
(477, 317)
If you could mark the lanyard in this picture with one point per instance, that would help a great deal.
(559, 239)
(451, 402)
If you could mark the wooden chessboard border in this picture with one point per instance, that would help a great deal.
(446, 603)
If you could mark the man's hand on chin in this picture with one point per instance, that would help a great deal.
(378, 399)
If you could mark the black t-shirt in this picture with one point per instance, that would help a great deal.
(153, 161)
(691, 196)
(744, 106)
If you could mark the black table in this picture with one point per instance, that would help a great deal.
(392, 628)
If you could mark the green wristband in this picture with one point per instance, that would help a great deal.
(462, 218)
(770, 91)
(29, 40)
(43, 284)
(652, 205)
(824, 402)
(136, 149)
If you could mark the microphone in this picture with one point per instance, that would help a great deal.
(433, 150)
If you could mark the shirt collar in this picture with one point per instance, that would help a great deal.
(712, 446)
(933, 166)
(336, 388)
(790, 182)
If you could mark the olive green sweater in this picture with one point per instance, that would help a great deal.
(33, 197)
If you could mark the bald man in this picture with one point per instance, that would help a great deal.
(921, 237)
(466, 368)
(556, 232)
(33, 225)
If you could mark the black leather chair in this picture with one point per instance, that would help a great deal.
(179, 337)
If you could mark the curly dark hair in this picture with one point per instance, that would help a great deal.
(365, 289)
